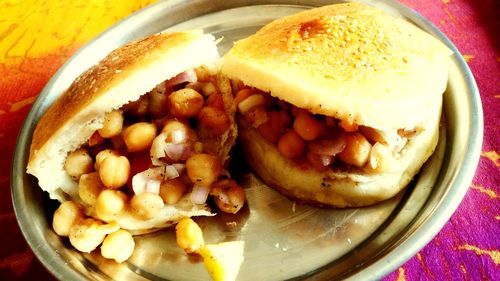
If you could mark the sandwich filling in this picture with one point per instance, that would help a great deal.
(314, 141)
(163, 149)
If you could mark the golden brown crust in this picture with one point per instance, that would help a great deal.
(94, 82)
(121, 77)
(348, 61)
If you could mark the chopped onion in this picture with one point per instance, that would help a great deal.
(150, 179)
(186, 76)
(199, 194)
(250, 102)
(171, 172)
(157, 150)
(180, 167)
(175, 151)
(330, 145)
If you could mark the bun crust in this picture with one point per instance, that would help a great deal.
(348, 61)
(121, 77)
(352, 188)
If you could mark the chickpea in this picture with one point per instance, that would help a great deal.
(87, 234)
(242, 95)
(89, 187)
(109, 204)
(188, 235)
(291, 145)
(208, 89)
(185, 103)
(78, 163)
(203, 169)
(118, 246)
(308, 127)
(113, 124)
(157, 103)
(356, 151)
(114, 171)
(275, 126)
(214, 119)
(229, 196)
(139, 136)
(172, 190)
(66, 216)
(216, 101)
(146, 205)
(102, 155)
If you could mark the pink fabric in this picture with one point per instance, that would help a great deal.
(468, 247)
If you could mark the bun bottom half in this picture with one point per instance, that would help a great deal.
(338, 188)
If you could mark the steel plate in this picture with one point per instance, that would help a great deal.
(284, 240)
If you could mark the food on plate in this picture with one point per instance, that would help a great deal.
(136, 143)
(222, 260)
(338, 105)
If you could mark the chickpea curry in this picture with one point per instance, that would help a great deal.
(149, 153)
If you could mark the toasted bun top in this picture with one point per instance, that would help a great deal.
(122, 76)
(349, 61)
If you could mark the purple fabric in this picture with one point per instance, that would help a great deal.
(468, 247)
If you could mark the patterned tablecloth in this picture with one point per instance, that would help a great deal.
(37, 36)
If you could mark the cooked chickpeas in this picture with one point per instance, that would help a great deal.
(78, 163)
(109, 204)
(291, 145)
(189, 235)
(275, 126)
(208, 89)
(66, 216)
(89, 187)
(214, 119)
(185, 103)
(157, 103)
(118, 246)
(89, 233)
(114, 171)
(203, 169)
(229, 196)
(102, 155)
(308, 127)
(172, 190)
(356, 151)
(139, 136)
(113, 124)
(146, 205)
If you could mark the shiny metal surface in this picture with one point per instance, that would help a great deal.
(283, 240)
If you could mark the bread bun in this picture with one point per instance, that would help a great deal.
(348, 61)
(121, 77)
(358, 65)
(338, 188)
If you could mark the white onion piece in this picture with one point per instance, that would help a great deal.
(150, 179)
(180, 167)
(186, 76)
(171, 172)
(175, 151)
(157, 150)
(199, 194)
